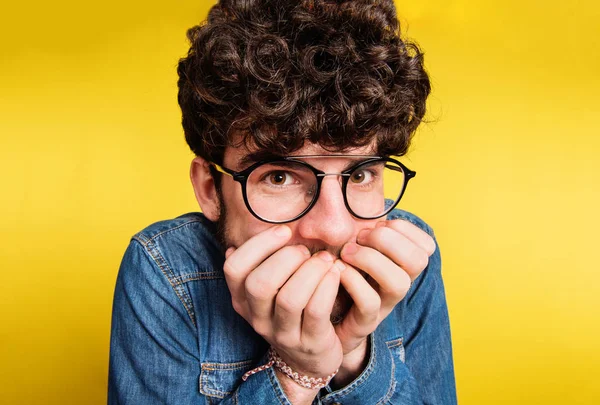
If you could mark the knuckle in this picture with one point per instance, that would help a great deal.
(314, 312)
(261, 327)
(419, 258)
(286, 303)
(401, 287)
(230, 269)
(423, 260)
(372, 305)
(431, 246)
(237, 306)
(398, 292)
(257, 290)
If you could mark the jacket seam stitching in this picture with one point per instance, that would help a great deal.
(159, 260)
(394, 343)
(210, 392)
(283, 400)
(179, 280)
(153, 237)
(390, 392)
(226, 366)
(353, 387)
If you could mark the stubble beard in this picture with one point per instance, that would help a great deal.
(343, 301)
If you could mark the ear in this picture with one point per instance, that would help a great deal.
(204, 188)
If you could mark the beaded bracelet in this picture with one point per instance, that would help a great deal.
(303, 380)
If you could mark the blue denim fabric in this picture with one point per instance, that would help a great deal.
(175, 338)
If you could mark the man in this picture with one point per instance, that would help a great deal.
(299, 283)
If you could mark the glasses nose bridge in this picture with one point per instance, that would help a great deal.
(333, 174)
(322, 176)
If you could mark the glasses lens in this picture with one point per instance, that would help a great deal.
(370, 184)
(280, 191)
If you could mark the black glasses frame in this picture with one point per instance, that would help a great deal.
(242, 178)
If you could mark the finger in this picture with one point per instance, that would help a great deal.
(264, 282)
(393, 282)
(401, 250)
(317, 314)
(411, 232)
(250, 254)
(295, 294)
(364, 314)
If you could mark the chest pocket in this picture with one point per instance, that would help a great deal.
(396, 347)
(221, 379)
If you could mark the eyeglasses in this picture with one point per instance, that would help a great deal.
(284, 189)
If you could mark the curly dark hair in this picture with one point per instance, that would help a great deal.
(282, 72)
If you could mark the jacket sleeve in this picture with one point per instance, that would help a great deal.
(417, 367)
(154, 351)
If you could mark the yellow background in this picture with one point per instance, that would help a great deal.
(508, 176)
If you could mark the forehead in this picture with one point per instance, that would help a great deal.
(240, 157)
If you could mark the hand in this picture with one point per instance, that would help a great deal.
(392, 254)
(287, 296)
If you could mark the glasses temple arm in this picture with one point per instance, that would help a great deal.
(222, 169)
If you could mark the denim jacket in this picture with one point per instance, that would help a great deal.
(175, 338)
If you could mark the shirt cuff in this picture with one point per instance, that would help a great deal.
(263, 387)
(374, 383)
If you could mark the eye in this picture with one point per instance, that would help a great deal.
(280, 178)
(361, 176)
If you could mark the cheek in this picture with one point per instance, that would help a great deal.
(241, 225)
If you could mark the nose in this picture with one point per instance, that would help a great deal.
(328, 222)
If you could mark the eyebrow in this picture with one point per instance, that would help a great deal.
(258, 156)
(348, 165)
(352, 164)
(255, 157)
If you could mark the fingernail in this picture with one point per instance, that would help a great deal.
(362, 235)
(350, 248)
(324, 255)
(282, 230)
(339, 265)
(229, 251)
